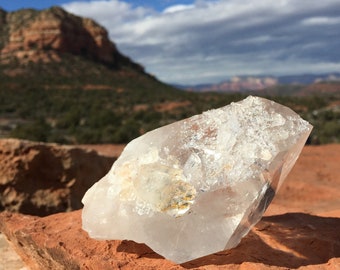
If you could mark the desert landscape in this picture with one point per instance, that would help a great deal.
(300, 229)
(70, 101)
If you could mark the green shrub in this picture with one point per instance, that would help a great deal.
(39, 130)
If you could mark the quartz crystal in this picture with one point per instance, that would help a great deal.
(197, 186)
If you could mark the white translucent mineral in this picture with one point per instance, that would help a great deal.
(197, 186)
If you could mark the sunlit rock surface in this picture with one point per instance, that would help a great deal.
(196, 186)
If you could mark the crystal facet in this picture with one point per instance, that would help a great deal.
(197, 186)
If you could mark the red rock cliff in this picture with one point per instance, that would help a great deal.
(30, 35)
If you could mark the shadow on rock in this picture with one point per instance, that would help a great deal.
(141, 250)
(290, 240)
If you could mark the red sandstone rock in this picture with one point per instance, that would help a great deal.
(44, 35)
(41, 179)
(281, 240)
(277, 242)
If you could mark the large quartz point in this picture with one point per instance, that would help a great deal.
(197, 186)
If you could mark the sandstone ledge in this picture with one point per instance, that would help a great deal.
(293, 240)
(44, 178)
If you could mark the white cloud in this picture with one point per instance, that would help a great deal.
(321, 21)
(177, 8)
(109, 13)
(211, 40)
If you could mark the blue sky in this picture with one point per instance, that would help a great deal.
(204, 41)
(159, 5)
(11, 5)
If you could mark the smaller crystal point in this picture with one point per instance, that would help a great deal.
(197, 186)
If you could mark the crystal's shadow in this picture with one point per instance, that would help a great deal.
(290, 240)
(141, 250)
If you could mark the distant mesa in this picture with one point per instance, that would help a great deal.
(238, 83)
(260, 83)
(45, 36)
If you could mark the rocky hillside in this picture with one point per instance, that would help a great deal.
(55, 66)
(62, 80)
(31, 35)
